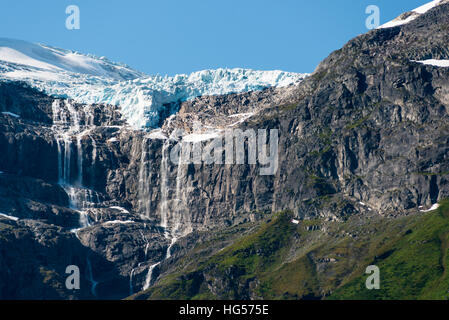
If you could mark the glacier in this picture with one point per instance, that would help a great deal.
(142, 98)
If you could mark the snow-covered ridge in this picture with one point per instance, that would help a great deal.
(412, 15)
(88, 79)
(52, 60)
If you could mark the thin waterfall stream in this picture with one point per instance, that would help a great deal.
(67, 128)
(171, 210)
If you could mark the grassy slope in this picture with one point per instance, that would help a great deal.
(281, 260)
(416, 265)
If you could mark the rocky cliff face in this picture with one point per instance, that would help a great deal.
(367, 133)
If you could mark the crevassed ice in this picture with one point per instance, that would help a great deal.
(88, 79)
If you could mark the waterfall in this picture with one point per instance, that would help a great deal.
(164, 199)
(144, 183)
(173, 241)
(150, 276)
(67, 159)
(60, 172)
(131, 287)
(67, 128)
(147, 243)
(181, 218)
(164, 185)
(79, 147)
(91, 278)
(175, 222)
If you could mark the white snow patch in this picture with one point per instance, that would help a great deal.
(238, 115)
(243, 117)
(157, 134)
(398, 22)
(113, 140)
(426, 7)
(413, 15)
(434, 62)
(433, 207)
(118, 222)
(37, 74)
(123, 210)
(11, 114)
(75, 232)
(9, 217)
(198, 137)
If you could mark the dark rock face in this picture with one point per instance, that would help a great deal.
(373, 123)
(369, 125)
(34, 257)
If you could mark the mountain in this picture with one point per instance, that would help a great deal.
(22, 59)
(362, 179)
(88, 79)
(412, 15)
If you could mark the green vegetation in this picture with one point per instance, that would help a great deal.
(319, 153)
(432, 174)
(257, 255)
(3, 228)
(326, 136)
(288, 107)
(357, 123)
(277, 259)
(416, 267)
(320, 75)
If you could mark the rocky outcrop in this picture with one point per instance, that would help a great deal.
(366, 132)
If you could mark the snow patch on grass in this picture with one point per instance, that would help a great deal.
(432, 208)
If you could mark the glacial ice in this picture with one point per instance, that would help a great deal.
(142, 98)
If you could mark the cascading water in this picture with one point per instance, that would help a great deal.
(131, 287)
(165, 187)
(69, 136)
(175, 222)
(91, 278)
(163, 207)
(67, 127)
(144, 183)
(182, 222)
(149, 277)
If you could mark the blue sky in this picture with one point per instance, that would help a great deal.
(182, 36)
